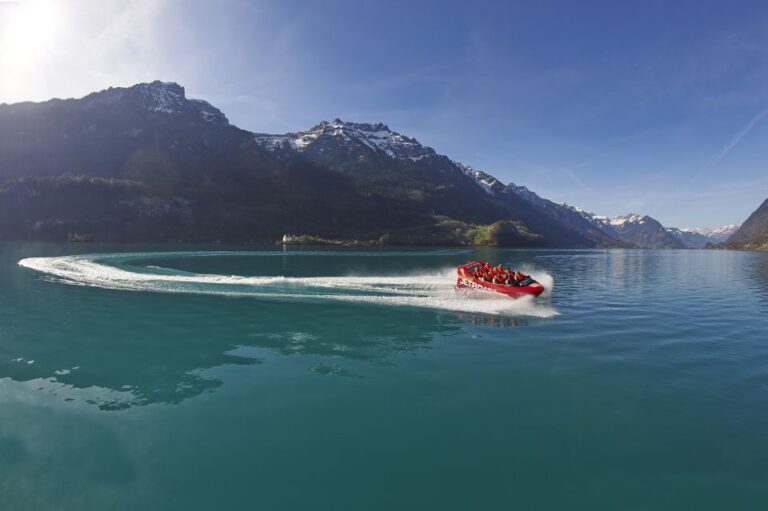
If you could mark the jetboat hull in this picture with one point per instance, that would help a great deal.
(467, 280)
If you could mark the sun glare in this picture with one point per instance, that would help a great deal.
(27, 32)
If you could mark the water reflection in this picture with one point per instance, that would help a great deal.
(85, 352)
(758, 265)
(116, 349)
(69, 455)
(494, 321)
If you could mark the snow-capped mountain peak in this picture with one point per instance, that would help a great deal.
(380, 138)
(377, 137)
(632, 218)
(157, 96)
(160, 98)
(339, 139)
(718, 233)
(165, 97)
(592, 217)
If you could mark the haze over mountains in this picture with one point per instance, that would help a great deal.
(147, 163)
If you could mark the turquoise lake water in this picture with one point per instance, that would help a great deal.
(157, 377)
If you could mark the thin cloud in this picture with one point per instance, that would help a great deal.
(732, 143)
(738, 136)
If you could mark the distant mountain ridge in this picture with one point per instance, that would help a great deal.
(147, 163)
(640, 230)
(357, 148)
(647, 232)
(716, 234)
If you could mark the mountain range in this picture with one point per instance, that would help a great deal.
(145, 163)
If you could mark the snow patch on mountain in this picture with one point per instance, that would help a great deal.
(709, 231)
(602, 222)
(527, 194)
(486, 181)
(377, 137)
(716, 234)
(632, 218)
(493, 186)
(159, 97)
(163, 97)
(209, 113)
(380, 139)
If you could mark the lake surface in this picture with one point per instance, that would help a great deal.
(203, 378)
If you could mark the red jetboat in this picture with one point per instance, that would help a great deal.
(467, 279)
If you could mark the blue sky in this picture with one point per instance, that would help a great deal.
(651, 107)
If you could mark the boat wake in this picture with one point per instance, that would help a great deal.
(435, 290)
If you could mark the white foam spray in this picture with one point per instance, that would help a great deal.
(434, 290)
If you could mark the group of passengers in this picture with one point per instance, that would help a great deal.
(498, 275)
